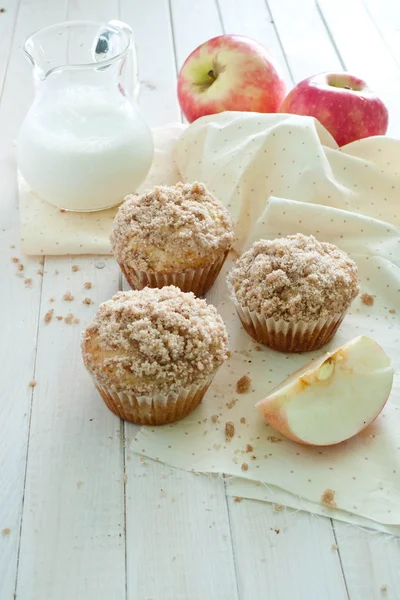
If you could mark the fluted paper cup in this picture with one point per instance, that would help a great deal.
(289, 336)
(198, 281)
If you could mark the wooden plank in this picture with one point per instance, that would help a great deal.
(157, 71)
(19, 304)
(176, 516)
(368, 56)
(371, 562)
(256, 23)
(284, 554)
(72, 542)
(193, 23)
(307, 47)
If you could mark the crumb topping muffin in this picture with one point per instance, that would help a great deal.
(171, 228)
(154, 341)
(294, 278)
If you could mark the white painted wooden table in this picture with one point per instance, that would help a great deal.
(82, 518)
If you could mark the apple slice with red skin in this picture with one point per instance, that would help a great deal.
(342, 103)
(230, 72)
(333, 398)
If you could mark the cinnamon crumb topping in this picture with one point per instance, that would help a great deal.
(48, 316)
(154, 340)
(229, 429)
(88, 285)
(294, 277)
(170, 228)
(243, 384)
(245, 467)
(328, 498)
(68, 297)
(75, 268)
(367, 299)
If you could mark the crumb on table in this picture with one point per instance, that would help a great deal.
(75, 268)
(39, 272)
(6, 531)
(392, 311)
(278, 507)
(237, 499)
(28, 282)
(328, 498)
(33, 383)
(59, 317)
(257, 348)
(243, 384)
(52, 299)
(384, 587)
(48, 316)
(273, 439)
(243, 420)
(214, 419)
(245, 467)
(232, 403)
(367, 299)
(20, 267)
(249, 448)
(14, 259)
(69, 318)
(229, 429)
(68, 297)
(88, 285)
(335, 546)
(87, 301)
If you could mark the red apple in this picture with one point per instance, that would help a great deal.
(230, 72)
(342, 103)
(333, 398)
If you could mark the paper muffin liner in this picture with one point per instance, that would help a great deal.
(289, 336)
(153, 410)
(197, 281)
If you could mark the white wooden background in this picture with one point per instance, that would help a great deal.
(81, 518)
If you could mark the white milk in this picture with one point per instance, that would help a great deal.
(82, 152)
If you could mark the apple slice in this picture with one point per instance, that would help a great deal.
(332, 399)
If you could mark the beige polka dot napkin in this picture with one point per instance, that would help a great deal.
(347, 197)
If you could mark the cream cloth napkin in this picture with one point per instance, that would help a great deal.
(348, 197)
(47, 230)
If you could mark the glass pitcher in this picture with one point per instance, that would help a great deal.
(84, 144)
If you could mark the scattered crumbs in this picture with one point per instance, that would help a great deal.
(12, 245)
(384, 587)
(277, 530)
(39, 272)
(335, 546)
(392, 311)
(6, 531)
(229, 429)
(76, 320)
(87, 301)
(28, 282)
(69, 318)
(88, 285)
(214, 419)
(32, 383)
(79, 484)
(249, 448)
(273, 439)
(328, 498)
(367, 299)
(278, 507)
(232, 403)
(237, 499)
(68, 297)
(48, 316)
(75, 268)
(257, 348)
(243, 384)
(243, 420)
(59, 318)
(245, 467)
(254, 457)
(14, 259)
(52, 299)
(20, 267)
(124, 478)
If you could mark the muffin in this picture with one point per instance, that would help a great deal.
(292, 293)
(153, 353)
(172, 235)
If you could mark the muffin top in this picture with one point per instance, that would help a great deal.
(296, 277)
(154, 341)
(170, 228)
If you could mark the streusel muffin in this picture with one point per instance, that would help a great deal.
(153, 353)
(172, 235)
(292, 293)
